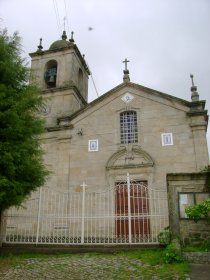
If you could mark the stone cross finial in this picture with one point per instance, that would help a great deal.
(126, 63)
(126, 77)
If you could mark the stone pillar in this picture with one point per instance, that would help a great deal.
(173, 208)
(200, 145)
(198, 123)
(182, 182)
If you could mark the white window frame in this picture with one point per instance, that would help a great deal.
(167, 139)
(93, 145)
(128, 127)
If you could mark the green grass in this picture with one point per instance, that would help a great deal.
(152, 257)
(155, 260)
(200, 247)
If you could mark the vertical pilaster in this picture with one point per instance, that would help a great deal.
(199, 126)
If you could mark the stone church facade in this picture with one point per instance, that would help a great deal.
(135, 129)
(129, 130)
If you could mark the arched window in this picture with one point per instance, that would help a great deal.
(128, 127)
(51, 73)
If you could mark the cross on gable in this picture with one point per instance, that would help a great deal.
(126, 62)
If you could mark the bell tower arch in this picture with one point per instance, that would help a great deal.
(62, 74)
(50, 75)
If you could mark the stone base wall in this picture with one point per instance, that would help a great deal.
(197, 257)
(192, 232)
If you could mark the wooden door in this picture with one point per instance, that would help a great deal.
(139, 206)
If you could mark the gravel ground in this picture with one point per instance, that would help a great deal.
(78, 267)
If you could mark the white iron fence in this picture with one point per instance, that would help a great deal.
(127, 213)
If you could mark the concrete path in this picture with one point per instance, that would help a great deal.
(200, 272)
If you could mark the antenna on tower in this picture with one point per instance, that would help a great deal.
(64, 23)
(66, 17)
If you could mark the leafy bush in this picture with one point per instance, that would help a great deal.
(164, 237)
(199, 211)
(172, 254)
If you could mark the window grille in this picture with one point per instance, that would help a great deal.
(128, 127)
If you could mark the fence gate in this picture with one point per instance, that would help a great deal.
(127, 213)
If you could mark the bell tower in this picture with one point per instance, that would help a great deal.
(62, 75)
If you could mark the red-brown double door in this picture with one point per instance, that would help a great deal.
(139, 209)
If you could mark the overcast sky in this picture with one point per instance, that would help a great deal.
(165, 40)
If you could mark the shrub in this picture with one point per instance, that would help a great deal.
(199, 211)
(172, 253)
(164, 237)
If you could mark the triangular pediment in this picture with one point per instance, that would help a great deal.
(131, 86)
(129, 158)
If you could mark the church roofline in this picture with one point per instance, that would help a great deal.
(146, 89)
(189, 104)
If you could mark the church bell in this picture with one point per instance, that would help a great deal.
(50, 76)
(51, 80)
